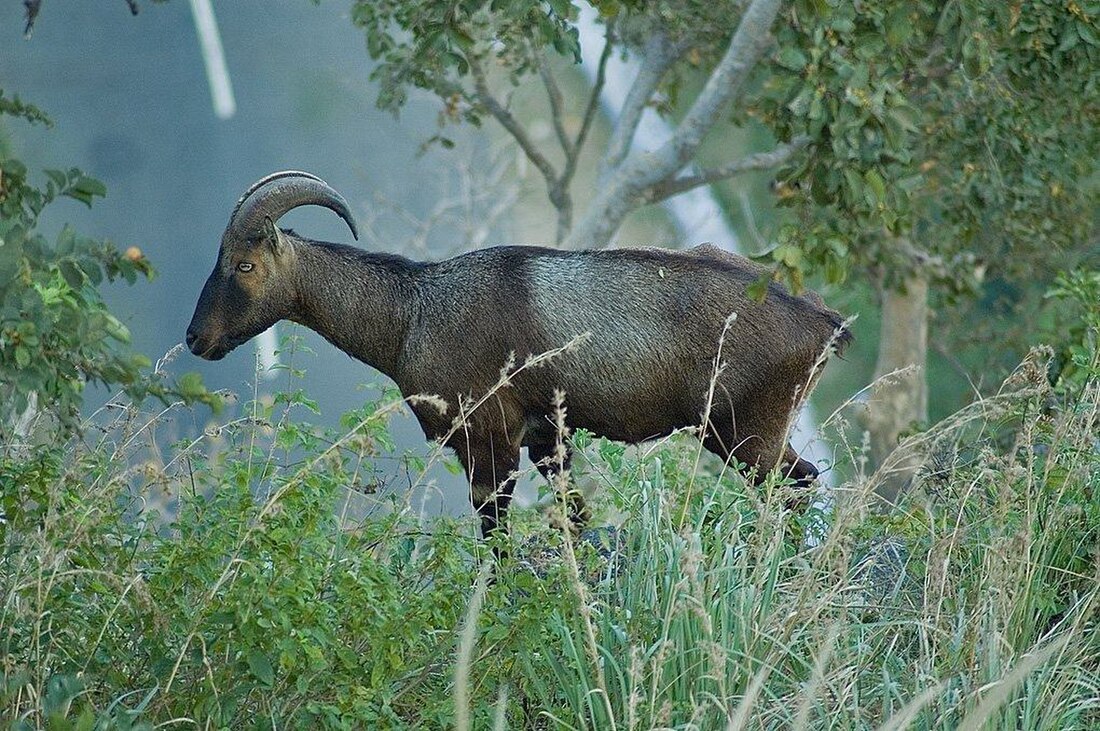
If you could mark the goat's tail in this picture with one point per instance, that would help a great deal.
(841, 335)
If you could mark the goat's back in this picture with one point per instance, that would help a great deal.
(655, 318)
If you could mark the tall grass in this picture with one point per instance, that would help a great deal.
(225, 583)
(984, 614)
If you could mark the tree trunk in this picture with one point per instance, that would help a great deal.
(22, 428)
(901, 399)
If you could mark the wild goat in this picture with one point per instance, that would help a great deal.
(447, 328)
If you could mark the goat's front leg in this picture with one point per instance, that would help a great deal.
(545, 459)
(490, 465)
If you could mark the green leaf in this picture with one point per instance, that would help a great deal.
(86, 721)
(876, 184)
(791, 58)
(835, 271)
(842, 24)
(1088, 35)
(817, 108)
(903, 117)
(854, 184)
(458, 61)
(1069, 39)
(190, 386)
(758, 290)
(73, 276)
(898, 26)
(57, 176)
(792, 256)
(260, 667)
(800, 105)
(116, 329)
(66, 240)
(376, 42)
(85, 188)
(562, 8)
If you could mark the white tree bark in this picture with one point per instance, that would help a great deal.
(23, 426)
(901, 397)
(627, 178)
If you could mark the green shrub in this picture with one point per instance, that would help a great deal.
(56, 333)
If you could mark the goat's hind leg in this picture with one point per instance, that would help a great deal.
(764, 452)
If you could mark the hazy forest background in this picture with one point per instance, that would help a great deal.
(255, 542)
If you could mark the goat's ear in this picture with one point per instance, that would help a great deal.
(274, 237)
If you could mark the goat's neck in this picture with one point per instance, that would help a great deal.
(360, 302)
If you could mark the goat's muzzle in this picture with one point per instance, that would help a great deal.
(206, 349)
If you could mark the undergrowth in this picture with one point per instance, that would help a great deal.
(255, 577)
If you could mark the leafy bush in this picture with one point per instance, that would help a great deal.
(56, 333)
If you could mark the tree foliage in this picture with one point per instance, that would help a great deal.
(430, 45)
(962, 128)
(929, 146)
(932, 134)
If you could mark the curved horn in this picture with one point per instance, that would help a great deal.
(264, 181)
(274, 195)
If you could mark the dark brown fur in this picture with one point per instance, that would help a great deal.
(655, 318)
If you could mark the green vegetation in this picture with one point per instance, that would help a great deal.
(56, 333)
(225, 584)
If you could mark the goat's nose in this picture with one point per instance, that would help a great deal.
(191, 337)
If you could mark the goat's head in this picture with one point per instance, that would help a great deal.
(253, 283)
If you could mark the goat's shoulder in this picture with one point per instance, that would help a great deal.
(494, 258)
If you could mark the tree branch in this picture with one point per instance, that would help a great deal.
(594, 99)
(658, 56)
(622, 191)
(759, 161)
(922, 260)
(559, 191)
(564, 203)
(559, 186)
(32, 8)
(510, 123)
(553, 93)
(723, 85)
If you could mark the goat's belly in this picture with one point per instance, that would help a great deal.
(629, 414)
(631, 431)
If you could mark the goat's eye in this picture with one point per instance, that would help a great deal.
(244, 266)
